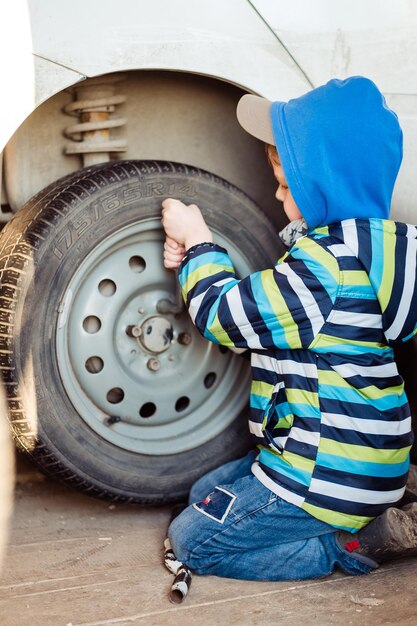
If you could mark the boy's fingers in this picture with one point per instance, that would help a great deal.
(171, 265)
(170, 256)
(171, 202)
(171, 242)
(173, 260)
(167, 202)
(179, 250)
(171, 251)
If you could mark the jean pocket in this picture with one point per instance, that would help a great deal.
(217, 504)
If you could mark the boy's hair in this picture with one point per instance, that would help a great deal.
(271, 154)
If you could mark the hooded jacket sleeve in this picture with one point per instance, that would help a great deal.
(283, 307)
(388, 252)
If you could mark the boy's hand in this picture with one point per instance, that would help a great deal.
(184, 224)
(173, 254)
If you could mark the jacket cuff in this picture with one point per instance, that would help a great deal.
(199, 248)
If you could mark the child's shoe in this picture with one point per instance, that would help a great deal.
(392, 535)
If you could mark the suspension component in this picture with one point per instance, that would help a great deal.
(94, 101)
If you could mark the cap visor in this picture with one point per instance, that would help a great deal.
(253, 114)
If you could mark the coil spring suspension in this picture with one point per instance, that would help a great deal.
(94, 101)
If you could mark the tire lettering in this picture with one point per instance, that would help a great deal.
(154, 189)
(130, 194)
(96, 211)
(187, 190)
(114, 201)
(82, 224)
(67, 239)
(111, 203)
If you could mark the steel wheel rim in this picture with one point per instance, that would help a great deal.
(198, 389)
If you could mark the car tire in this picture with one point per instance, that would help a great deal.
(90, 398)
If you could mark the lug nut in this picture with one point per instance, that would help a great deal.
(112, 419)
(133, 331)
(184, 339)
(153, 365)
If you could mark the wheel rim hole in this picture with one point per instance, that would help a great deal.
(94, 364)
(91, 324)
(209, 380)
(147, 409)
(182, 403)
(137, 264)
(223, 349)
(115, 395)
(107, 287)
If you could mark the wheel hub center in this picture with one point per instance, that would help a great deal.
(157, 334)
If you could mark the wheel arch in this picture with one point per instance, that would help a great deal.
(174, 116)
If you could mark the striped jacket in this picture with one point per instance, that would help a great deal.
(328, 408)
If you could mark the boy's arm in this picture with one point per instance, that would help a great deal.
(283, 307)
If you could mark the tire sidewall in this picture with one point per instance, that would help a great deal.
(88, 216)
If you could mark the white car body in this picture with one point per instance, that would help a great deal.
(278, 49)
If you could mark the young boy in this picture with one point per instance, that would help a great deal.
(328, 410)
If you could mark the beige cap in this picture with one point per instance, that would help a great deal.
(253, 114)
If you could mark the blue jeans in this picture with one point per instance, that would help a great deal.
(235, 527)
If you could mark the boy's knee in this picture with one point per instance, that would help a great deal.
(182, 535)
(185, 534)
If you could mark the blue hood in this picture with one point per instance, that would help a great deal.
(340, 147)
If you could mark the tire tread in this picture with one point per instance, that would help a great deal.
(19, 242)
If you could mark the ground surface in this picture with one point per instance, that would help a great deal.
(73, 560)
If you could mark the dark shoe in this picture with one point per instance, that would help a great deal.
(392, 535)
